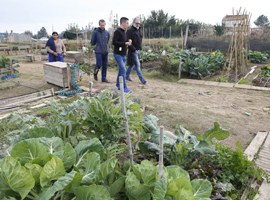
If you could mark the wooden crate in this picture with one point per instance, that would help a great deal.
(56, 73)
(74, 57)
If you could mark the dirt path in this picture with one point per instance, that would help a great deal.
(196, 107)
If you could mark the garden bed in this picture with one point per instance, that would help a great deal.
(83, 143)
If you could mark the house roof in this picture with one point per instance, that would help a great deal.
(235, 17)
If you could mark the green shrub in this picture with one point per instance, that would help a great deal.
(4, 62)
(257, 56)
(265, 71)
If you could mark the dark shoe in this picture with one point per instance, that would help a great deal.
(96, 75)
(105, 81)
(126, 90)
(144, 82)
(128, 79)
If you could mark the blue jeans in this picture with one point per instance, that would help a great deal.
(136, 66)
(121, 62)
(53, 58)
(102, 61)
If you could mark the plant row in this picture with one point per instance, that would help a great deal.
(77, 150)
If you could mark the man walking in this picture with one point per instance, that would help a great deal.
(100, 38)
(134, 33)
(120, 49)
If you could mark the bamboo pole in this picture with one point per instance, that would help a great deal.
(126, 120)
(235, 53)
(90, 88)
(230, 50)
(238, 47)
(182, 38)
(180, 68)
(186, 36)
(69, 76)
(160, 162)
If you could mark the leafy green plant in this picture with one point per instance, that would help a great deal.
(204, 65)
(203, 158)
(215, 132)
(96, 117)
(237, 168)
(229, 171)
(56, 157)
(169, 65)
(4, 62)
(143, 183)
(146, 56)
(265, 71)
(182, 146)
(15, 124)
(257, 56)
(86, 68)
(105, 119)
(42, 168)
(200, 65)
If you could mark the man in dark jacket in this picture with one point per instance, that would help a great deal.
(134, 33)
(100, 38)
(120, 49)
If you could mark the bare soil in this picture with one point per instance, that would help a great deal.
(196, 107)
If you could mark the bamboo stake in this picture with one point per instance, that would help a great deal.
(186, 36)
(231, 49)
(90, 88)
(235, 51)
(180, 68)
(160, 162)
(69, 76)
(126, 120)
(182, 38)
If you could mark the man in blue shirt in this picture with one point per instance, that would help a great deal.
(100, 38)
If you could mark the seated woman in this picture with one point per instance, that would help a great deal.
(55, 48)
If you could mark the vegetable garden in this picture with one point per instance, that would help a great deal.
(76, 149)
(197, 65)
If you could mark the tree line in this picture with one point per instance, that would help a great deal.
(160, 24)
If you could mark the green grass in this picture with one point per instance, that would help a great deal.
(243, 81)
(222, 78)
(161, 76)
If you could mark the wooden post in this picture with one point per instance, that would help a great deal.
(186, 36)
(52, 91)
(160, 162)
(90, 88)
(77, 40)
(126, 120)
(182, 38)
(236, 53)
(149, 36)
(180, 68)
(69, 76)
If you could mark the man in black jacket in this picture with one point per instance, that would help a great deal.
(134, 33)
(120, 49)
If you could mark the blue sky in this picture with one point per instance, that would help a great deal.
(21, 15)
